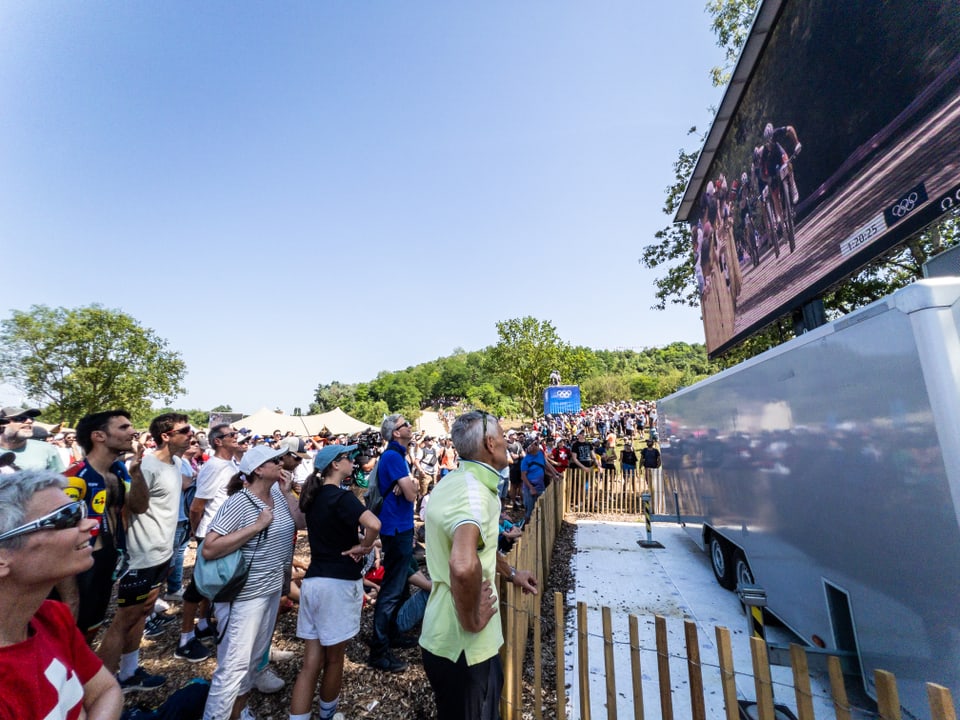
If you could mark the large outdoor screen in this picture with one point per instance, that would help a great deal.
(845, 141)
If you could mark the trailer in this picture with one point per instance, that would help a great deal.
(827, 472)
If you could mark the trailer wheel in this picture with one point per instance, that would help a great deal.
(722, 562)
(741, 569)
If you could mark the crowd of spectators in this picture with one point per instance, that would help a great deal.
(139, 499)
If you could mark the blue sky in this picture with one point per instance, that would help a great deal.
(296, 193)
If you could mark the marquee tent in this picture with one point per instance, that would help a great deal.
(264, 421)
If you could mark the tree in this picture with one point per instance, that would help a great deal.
(333, 395)
(87, 359)
(528, 350)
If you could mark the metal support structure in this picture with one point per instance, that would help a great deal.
(649, 543)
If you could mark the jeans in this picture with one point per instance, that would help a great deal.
(411, 612)
(180, 542)
(397, 553)
(249, 627)
(529, 502)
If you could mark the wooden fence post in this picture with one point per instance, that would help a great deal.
(841, 706)
(727, 677)
(888, 699)
(663, 668)
(608, 664)
(635, 668)
(941, 702)
(583, 658)
(801, 682)
(761, 678)
(694, 672)
(560, 635)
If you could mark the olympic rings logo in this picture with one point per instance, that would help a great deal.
(563, 393)
(905, 206)
(948, 201)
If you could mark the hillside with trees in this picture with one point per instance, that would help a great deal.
(508, 378)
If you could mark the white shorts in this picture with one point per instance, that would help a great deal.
(329, 610)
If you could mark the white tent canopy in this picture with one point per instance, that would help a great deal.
(264, 421)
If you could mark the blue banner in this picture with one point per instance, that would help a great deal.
(561, 399)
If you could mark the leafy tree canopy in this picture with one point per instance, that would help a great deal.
(82, 360)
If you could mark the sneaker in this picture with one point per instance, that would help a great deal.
(174, 597)
(279, 656)
(387, 662)
(247, 713)
(141, 680)
(267, 682)
(156, 625)
(161, 606)
(193, 651)
(208, 633)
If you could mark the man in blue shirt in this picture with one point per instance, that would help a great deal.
(399, 491)
(533, 467)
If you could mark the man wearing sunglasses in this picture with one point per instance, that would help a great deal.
(16, 436)
(152, 510)
(46, 668)
(399, 491)
(100, 481)
(212, 481)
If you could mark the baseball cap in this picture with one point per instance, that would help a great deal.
(257, 456)
(329, 453)
(295, 446)
(12, 412)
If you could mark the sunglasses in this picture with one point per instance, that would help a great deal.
(68, 516)
(230, 434)
(401, 426)
(19, 418)
(185, 430)
(194, 443)
(275, 461)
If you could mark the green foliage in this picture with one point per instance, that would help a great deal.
(528, 351)
(531, 348)
(604, 388)
(331, 396)
(86, 359)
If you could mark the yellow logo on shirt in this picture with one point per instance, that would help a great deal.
(99, 502)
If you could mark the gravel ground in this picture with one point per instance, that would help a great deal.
(365, 693)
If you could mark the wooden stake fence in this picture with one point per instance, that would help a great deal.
(521, 620)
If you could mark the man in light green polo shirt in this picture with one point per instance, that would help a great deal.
(460, 643)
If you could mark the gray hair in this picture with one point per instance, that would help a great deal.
(217, 432)
(467, 432)
(16, 491)
(388, 425)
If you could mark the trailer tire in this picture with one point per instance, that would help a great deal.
(721, 560)
(742, 573)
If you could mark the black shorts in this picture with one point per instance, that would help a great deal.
(463, 691)
(137, 585)
(95, 587)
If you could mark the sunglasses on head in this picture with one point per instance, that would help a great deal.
(68, 516)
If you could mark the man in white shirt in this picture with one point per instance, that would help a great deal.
(153, 506)
(16, 436)
(211, 492)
